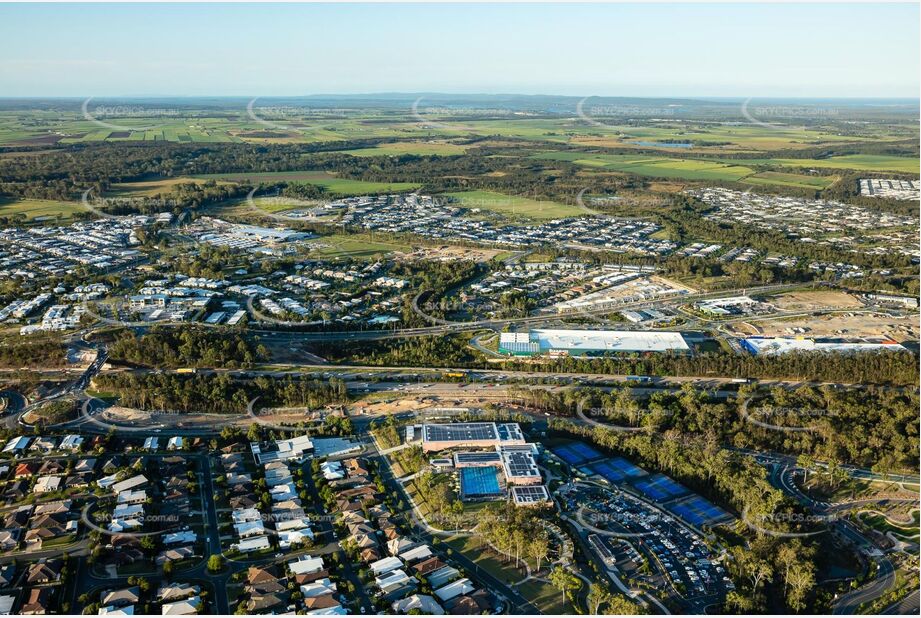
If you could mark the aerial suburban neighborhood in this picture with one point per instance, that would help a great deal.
(491, 315)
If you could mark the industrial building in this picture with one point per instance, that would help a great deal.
(783, 345)
(437, 437)
(589, 342)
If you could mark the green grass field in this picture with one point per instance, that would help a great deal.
(872, 163)
(516, 207)
(340, 187)
(659, 167)
(738, 170)
(40, 210)
(792, 180)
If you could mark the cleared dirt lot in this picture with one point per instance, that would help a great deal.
(448, 254)
(814, 300)
(848, 324)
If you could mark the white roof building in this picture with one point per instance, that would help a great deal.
(391, 581)
(252, 544)
(454, 589)
(318, 588)
(71, 442)
(47, 484)
(306, 565)
(17, 445)
(417, 553)
(249, 529)
(131, 483)
(240, 516)
(423, 602)
(186, 607)
(385, 565)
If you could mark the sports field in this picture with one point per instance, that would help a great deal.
(514, 206)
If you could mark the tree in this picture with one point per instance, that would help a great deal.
(215, 563)
(539, 549)
(619, 605)
(801, 580)
(597, 596)
(168, 568)
(563, 580)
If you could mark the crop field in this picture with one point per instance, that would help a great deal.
(341, 187)
(38, 210)
(516, 207)
(870, 163)
(736, 170)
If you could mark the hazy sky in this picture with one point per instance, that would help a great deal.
(827, 50)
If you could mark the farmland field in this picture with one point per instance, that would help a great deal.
(40, 209)
(660, 167)
(736, 170)
(792, 180)
(872, 163)
(515, 206)
(148, 188)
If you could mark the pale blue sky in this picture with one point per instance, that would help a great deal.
(829, 50)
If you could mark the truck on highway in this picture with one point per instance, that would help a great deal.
(742, 380)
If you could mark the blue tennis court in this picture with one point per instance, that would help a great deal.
(609, 472)
(617, 469)
(587, 452)
(660, 487)
(698, 511)
(479, 482)
(576, 453)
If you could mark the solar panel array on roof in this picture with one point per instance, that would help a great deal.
(518, 464)
(458, 432)
(509, 432)
(530, 494)
(477, 459)
(601, 547)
